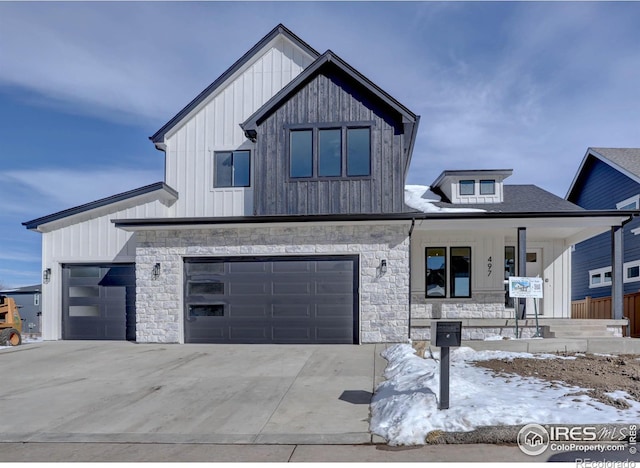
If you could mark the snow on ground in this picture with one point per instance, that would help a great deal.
(404, 408)
(419, 197)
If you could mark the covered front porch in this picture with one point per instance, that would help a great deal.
(460, 263)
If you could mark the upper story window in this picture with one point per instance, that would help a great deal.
(487, 187)
(232, 169)
(467, 187)
(631, 203)
(330, 152)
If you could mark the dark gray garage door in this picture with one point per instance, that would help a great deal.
(271, 300)
(98, 302)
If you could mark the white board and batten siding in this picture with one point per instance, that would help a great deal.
(215, 126)
(487, 250)
(88, 238)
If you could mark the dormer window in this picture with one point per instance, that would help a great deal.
(487, 187)
(467, 187)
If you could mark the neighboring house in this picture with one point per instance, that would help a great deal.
(29, 302)
(282, 219)
(607, 179)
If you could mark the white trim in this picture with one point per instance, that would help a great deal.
(604, 159)
(635, 201)
(599, 273)
(627, 266)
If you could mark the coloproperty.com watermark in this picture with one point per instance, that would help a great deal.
(535, 439)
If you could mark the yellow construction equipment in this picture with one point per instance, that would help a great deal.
(10, 322)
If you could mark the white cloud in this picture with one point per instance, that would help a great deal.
(42, 191)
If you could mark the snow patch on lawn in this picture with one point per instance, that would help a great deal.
(405, 407)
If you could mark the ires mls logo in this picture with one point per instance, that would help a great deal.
(533, 439)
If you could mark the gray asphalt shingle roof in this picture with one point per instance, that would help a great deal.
(626, 158)
(522, 198)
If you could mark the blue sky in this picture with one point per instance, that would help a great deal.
(521, 85)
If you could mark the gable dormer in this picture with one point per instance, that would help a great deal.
(473, 187)
(331, 142)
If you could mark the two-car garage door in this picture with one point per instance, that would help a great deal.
(271, 300)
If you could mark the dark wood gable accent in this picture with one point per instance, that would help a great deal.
(330, 96)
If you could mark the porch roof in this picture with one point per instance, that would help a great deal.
(573, 226)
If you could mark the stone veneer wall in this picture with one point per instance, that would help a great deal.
(483, 304)
(384, 299)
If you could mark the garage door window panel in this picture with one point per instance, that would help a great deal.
(208, 310)
(206, 288)
(202, 268)
(84, 311)
(84, 272)
(84, 291)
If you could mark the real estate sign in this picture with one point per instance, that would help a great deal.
(525, 287)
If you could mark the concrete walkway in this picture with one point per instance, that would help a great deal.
(74, 452)
(88, 391)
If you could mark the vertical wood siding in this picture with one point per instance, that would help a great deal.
(326, 98)
(215, 126)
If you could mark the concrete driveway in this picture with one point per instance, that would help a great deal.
(88, 391)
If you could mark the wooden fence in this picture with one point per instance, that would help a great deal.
(600, 308)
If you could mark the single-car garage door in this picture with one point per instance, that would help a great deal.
(271, 300)
(98, 302)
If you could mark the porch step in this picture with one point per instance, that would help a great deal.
(561, 345)
(577, 329)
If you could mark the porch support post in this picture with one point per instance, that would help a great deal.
(617, 282)
(522, 267)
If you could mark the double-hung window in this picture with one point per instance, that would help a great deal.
(448, 271)
(232, 169)
(340, 151)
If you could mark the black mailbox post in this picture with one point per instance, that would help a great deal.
(444, 335)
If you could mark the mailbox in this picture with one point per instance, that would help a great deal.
(446, 334)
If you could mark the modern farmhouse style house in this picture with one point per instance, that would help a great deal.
(284, 218)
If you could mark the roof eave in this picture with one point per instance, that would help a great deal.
(251, 124)
(615, 216)
(35, 224)
(159, 136)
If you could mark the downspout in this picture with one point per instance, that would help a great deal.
(413, 222)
